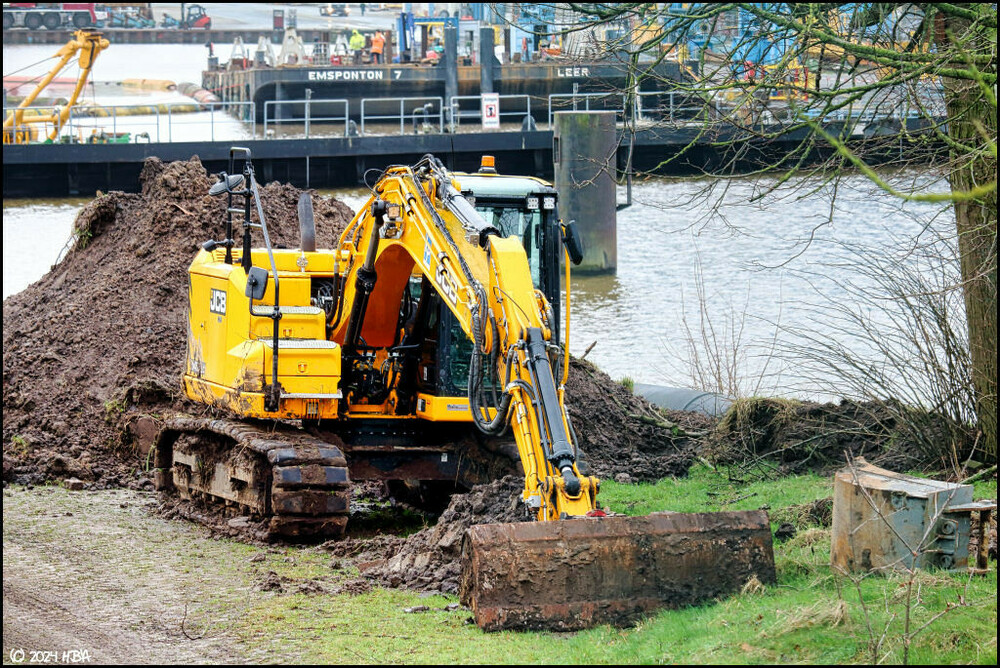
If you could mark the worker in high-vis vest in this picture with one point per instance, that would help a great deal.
(357, 45)
(378, 45)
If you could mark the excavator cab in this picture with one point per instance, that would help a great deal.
(521, 207)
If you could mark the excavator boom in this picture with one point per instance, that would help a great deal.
(485, 281)
(574, 567)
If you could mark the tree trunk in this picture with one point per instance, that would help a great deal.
(977, 231)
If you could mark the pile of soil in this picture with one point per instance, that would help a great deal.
(429, 559)
(106, 328)
(777, 436)
(623, 436)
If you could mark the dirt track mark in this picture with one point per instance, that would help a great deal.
(95, 571)
(35, 619)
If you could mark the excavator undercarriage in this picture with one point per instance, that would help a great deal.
(295, 480)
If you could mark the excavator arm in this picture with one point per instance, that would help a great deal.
(575, 567)
(485, 281)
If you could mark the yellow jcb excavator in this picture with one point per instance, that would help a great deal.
(342, 365)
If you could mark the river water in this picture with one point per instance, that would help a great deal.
(708, 269)
(703, 273)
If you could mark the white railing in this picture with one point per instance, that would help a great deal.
(308, 117)
(162, 122)
(42, 129)
(669, 106)
(153, 122)
(425, 111)
(575, 100)
(457, 113)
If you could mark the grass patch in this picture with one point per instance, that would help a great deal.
(19, 445)
(985, 489)
(705, 490)
(811, 615)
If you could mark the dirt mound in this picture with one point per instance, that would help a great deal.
(106, 327)
(624, 436)
(768, 436)
(429, 559)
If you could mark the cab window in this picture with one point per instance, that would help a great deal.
(520, 223)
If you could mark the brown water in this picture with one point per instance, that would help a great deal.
(691, 276)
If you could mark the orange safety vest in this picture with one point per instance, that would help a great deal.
(378, 43)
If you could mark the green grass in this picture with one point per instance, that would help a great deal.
(705, 490)
(810, 616)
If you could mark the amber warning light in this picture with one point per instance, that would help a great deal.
(488, 165)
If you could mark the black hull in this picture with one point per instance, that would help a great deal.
(379, 87)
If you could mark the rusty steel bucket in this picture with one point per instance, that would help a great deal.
(574, 574)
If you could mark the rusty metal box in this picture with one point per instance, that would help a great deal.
(886, 521)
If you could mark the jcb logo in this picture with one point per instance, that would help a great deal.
(447, 284)
(217, 304)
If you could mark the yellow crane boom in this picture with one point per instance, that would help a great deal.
(17, 128)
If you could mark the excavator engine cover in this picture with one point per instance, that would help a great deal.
(574, 574)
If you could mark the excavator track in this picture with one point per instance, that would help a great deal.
(298, 482)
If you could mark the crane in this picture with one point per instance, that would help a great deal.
(18, 127)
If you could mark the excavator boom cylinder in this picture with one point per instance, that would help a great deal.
(578, 573)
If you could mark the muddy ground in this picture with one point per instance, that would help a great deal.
(429, 559)
(127, 598)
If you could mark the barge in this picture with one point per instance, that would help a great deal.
(388, 90)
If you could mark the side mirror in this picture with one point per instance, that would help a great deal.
(256, 283)
(227, 183)
(573, 241)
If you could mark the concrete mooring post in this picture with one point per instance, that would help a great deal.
(450, 62)
(487, 60)
(585, 157)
